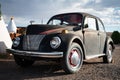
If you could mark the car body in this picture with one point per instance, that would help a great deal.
(69, 38)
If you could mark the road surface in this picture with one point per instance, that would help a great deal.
(91, 70)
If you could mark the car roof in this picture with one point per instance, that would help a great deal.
(81, 13)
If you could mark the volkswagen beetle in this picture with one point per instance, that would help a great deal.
(69, 38)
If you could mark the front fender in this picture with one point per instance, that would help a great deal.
(68, 39)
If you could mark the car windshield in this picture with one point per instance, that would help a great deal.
(66, 19)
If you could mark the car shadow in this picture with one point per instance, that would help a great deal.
(85, 63)
(10, 71)
(94, 61)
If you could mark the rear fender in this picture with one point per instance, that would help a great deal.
(109, 41)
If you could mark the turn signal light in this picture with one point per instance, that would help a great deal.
(64, 31)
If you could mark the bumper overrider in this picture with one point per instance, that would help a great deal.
(36, 54)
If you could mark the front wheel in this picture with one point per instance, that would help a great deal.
(23, 62)
(108, 58)
(72, 59)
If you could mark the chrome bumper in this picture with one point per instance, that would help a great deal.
(36, 54)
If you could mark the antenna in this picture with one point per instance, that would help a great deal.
(42, 21)
(31, 22)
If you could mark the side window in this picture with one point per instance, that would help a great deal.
(90, 23)
(100, 25)
(55, 22)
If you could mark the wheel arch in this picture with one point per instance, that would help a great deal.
(68, 39)
(112, 44)
(108, 55)
(79, 41)
(109, 41)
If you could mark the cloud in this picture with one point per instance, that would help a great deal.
(38, 10)
(110, 3)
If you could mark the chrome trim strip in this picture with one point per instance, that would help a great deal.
(94, 56)
(36, 54)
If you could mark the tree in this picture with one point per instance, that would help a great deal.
(116, 37)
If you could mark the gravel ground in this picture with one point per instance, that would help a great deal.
(91, 70)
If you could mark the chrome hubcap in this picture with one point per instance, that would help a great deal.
(109, 52)
(74, 58)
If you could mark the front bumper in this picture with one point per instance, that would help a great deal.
(36, 54)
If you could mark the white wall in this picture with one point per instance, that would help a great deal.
(5, 40)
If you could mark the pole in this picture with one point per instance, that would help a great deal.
(0, 12)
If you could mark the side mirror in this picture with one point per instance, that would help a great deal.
(86, 26)
(77, 28)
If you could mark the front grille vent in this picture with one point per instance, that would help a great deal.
(32, 42)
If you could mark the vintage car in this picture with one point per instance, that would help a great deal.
(68, 38)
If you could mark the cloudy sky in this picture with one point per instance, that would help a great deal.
(41, 10)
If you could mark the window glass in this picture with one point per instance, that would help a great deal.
(66, 19)
(90, 23)
(55, 22)
(101, 27)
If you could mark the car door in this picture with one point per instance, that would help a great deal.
(102, 35)
(91, 37)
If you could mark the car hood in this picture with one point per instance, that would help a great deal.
(46, 29)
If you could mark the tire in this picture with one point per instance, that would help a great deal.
(23, 62)
(72, 59)
(108, 58)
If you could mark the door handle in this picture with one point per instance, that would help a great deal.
(98, 34)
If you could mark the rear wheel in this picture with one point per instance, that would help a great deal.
(108, 58)
(73, 59)
(23, 62)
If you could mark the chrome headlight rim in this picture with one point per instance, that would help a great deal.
(16, 42)
(55, 42)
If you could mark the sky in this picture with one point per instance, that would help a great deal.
(40, 11)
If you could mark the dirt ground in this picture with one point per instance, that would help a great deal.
(91, 70)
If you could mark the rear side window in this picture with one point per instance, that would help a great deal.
(90, 23)
(100, 25)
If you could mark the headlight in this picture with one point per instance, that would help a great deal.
(16, 42)
(55, 42)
